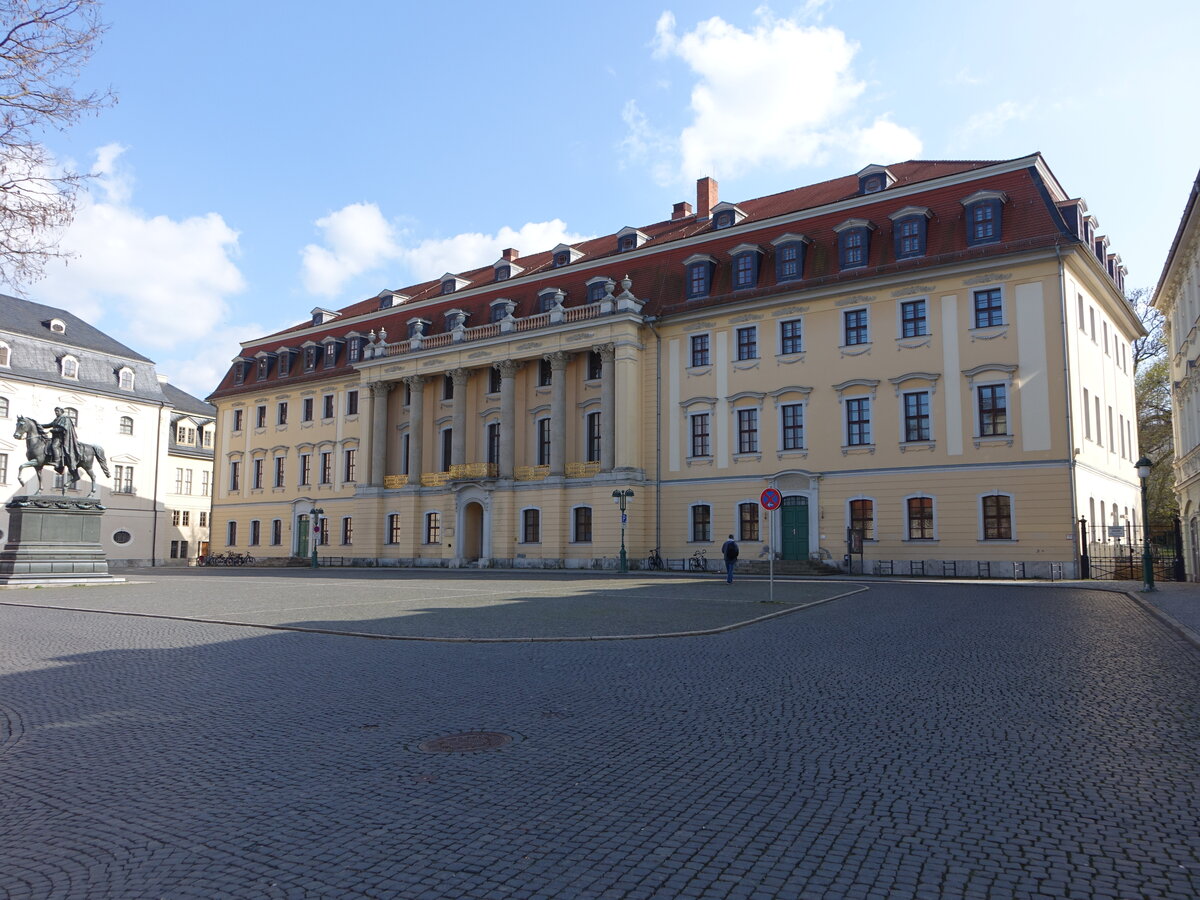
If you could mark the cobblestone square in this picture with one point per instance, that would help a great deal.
(260, 735)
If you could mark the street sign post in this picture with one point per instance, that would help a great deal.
(771, 500)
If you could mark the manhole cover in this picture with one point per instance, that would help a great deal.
(467, 742)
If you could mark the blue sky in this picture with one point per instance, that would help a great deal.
(267, 158)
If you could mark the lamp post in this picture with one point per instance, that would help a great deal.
(622, 498)
(315, 517)
(1143, 466)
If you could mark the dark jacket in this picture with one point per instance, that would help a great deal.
(730, 551)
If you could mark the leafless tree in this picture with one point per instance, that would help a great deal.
(44, 45)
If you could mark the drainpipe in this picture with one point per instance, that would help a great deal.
(650, 320)
(1069, 390)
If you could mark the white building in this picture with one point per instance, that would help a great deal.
(157, 439)
(1177, 297)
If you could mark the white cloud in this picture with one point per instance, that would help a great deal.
(162, 281)
(989, 123)
(781, 94)
(359, 240)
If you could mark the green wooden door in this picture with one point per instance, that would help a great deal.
(302, 535)
(795, 527)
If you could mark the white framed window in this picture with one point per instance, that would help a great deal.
(531, 525)
(126, 425)
(125, 379)
(433, 527)
(860, 516)
(5, 355)
(70, 367)
(700, 519)
(920, 518)
(996, 521)
(581, 524)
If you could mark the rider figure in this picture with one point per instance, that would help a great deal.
(63, 451)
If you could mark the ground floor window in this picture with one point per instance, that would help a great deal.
(582, 525)
(347, 530)
(702, 523)
(997, 518)
(393, 528)
(748, 522)
(920, 518)
(531, 526)
(433, 528)
(862, 518)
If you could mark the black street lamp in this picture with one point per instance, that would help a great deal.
(315, 517)
(622, 499)
(1144, 466)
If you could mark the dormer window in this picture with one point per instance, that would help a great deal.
(854, 243)
(5, 355)
(125, 379)
(330, 354)
(321, 316)
(983, 216)
(549, 298)
(389, 299)
(699, 271)
(564, 255)
(58, 326)
(726, 215)
(789, 256)
(908, 231)
(452, 318)
(417, 326)
(284, 356)
(596, 289)
(264, 367)
(745, 266)
(452, 283)
(630, 239)
(354, 344)
(70, 367)
(873, 179)
(503, 273)
(310, 357)
(239, 370)
(505, 268)
(500, 309)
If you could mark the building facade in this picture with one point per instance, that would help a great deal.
(933, 356)
(1177, 297)
(50, 358)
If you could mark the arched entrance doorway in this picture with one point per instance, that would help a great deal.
(471, 538)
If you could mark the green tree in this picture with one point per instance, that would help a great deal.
(1152, 391)
(43, 47)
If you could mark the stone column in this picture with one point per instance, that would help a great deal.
(558, 412)
(608, 406)
(508, 419)
(458, 436)
(416, 427)
(379, 391)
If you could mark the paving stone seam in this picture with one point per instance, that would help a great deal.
(450, 640)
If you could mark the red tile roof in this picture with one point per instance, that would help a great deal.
(1030, 219)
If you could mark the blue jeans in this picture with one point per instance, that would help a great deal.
(729, 564)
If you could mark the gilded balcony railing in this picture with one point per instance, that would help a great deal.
(531, 473)
(395, 481)
(474, 470)
(582, 469)
(434, 479)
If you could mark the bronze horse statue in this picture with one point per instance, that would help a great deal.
(37, 448)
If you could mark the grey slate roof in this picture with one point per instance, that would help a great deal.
(36, 352)
(186, 403)
(33, 319)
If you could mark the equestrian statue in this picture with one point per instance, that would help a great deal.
(55, 445)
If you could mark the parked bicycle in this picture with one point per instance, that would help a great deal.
(699, 561)
(654, 561)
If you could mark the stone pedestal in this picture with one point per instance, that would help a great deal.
(54, 540)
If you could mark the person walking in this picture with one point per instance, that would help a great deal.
(730, 551)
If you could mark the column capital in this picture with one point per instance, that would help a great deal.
(508, 368)
(459, 377)
(414, 382)
(608, 352)
(380, 389)
(558, 360)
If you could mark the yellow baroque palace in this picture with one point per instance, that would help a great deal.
(929, 361)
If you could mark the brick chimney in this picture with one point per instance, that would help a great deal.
(510, 254)
(706, 196)
(681, 210)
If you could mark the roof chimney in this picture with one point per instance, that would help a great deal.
(681, 210)
(510, 254)
(706, 196)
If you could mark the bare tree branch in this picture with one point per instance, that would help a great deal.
(43, 48)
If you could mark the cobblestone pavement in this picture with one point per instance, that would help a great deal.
(906, 741)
